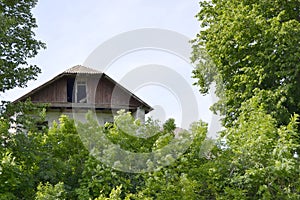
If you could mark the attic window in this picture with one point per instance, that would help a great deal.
(81, 92)
(70, 86)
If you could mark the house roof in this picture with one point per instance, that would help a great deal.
(79, 69)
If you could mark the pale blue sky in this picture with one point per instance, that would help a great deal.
(72, 29)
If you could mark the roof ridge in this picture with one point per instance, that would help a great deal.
(80, 69)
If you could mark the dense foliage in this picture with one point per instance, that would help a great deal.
(253, 49)
(51, 164)
(250, 49)
(17, 43)
(258, 161)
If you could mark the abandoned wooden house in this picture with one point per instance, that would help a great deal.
(80, 89)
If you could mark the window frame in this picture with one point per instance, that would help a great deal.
(81, 82)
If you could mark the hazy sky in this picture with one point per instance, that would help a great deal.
(72, 29)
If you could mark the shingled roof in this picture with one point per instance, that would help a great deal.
(79, 69)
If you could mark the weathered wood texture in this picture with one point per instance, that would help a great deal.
(54, 92)
(100, 90)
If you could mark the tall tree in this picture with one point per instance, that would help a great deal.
(17, 43)
(254, 49)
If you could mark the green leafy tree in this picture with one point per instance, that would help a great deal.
(17, 46)
(248, 47)
(50, 192)
(178, 180)
(24, 116)
(41, 157)
(10, 180)
(19, 158)
(63, 156)
(98, 179)
(17, 43)
(260, 160)
(187, 177)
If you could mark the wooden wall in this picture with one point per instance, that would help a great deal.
(54, 92)
(99, 91)
(108, 93)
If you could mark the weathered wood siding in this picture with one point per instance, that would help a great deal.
(54, 92)
(99, 91)
(108, 93)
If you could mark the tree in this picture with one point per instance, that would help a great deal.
(259, 161)
(248, 48)
(17, 43)
(50, 192)
(253, 49)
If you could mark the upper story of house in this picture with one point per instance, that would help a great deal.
(84, 87)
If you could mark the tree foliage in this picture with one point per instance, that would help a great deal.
(257, 160)
(250, 49)
(262, 162)
(17, 43)
(251, 46)
(54, 163)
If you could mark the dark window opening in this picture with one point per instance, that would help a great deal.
(70, 87)
(81, 92)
